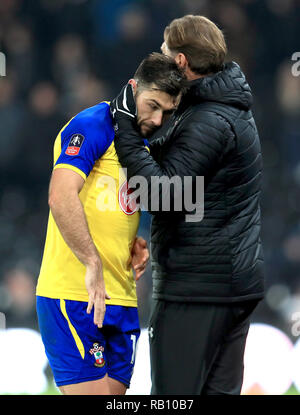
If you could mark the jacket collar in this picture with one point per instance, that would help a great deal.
(228, 86)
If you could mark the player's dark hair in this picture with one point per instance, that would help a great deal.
(162, 71)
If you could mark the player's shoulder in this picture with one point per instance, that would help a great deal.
(93, 117)
(94, 124)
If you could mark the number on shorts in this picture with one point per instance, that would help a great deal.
(133, 338)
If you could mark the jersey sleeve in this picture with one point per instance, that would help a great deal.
(83, 141)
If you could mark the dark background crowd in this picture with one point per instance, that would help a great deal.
(65, 55)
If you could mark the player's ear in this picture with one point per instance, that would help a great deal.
(133, 83)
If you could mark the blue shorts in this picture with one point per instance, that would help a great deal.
(78, 351)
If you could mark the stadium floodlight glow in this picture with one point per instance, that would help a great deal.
(22, 362)
(268, 361)
(295, 368)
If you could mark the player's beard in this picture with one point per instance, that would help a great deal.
(147, 130)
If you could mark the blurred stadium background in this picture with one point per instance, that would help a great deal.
(65, 55)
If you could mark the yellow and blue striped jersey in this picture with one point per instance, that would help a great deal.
(85, 145)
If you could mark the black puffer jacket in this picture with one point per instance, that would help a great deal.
(213, 134)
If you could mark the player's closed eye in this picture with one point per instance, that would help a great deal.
(153, 107)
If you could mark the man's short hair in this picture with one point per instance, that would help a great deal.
(162, 73)
(200, 40)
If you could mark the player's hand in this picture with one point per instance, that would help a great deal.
(97, 295)
(123, 108)
(140, 257)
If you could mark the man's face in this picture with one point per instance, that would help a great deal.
(154, 107)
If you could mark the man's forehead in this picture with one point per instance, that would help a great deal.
(163, 47)
(165, 50)
(163, 99)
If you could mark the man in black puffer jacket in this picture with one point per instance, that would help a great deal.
(207, 274)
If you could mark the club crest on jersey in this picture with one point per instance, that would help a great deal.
(75, 144)
(97, 351)
(127, 200)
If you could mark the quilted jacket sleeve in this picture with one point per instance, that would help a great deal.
(196, 149)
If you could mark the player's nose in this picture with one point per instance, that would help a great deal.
(157, 118)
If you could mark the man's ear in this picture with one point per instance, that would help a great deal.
(181, 61)
(133, 83)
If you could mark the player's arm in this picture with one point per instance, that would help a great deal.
(68, 213)
(83, 141)
(67, 210)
